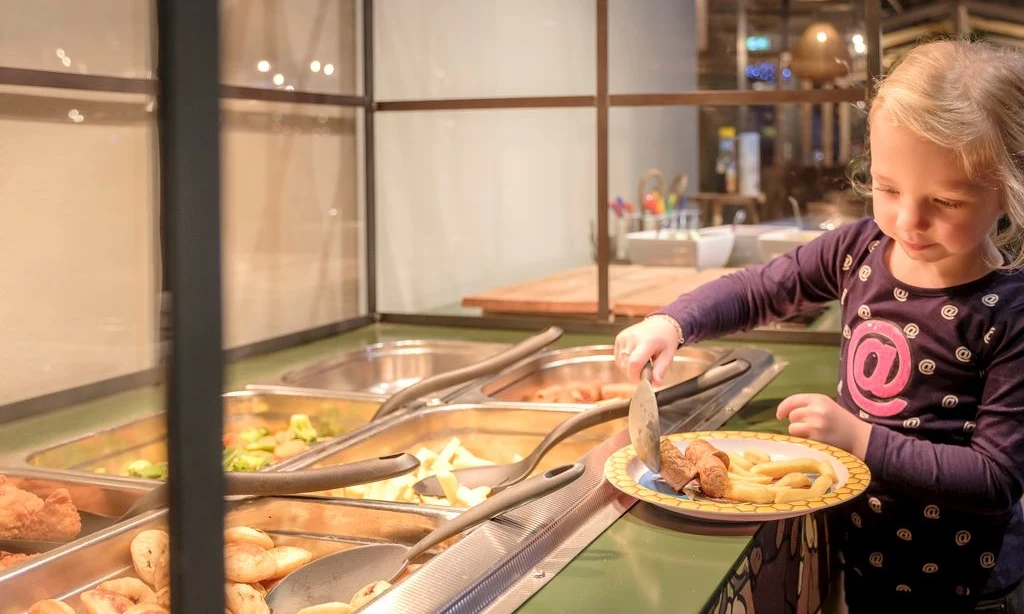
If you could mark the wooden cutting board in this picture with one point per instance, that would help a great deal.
(674, 281)
(572, 292)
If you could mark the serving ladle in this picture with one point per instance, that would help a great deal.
(337, 577)
(499, 477)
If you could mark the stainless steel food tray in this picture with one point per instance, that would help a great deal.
(497, 567)
(111, 450)
(493, 569)
(493, 432)
(100, 500)
(319, 525)
(585, 364)
(385, 368)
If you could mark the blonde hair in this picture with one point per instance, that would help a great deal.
(968, 97)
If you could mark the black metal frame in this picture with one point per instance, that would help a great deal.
(188, 35)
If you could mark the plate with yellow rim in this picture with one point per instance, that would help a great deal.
(626, 473)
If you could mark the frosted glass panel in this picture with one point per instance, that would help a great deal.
(308, 45)
(96, 37)
(78, 263)
(652, 46)
(292, 222)
(474, 200)
(426, 49)
(663, 138)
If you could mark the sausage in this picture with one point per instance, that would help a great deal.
(676, 469)
(713, 475)
(698, 449)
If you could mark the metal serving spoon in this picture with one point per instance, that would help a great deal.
(338, 576)
(499, 477)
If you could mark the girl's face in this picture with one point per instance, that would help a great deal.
(938, 217)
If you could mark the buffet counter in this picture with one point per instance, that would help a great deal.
(640, 558)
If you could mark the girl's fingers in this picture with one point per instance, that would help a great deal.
(623, 348)
(661, 365)
(799, 415)
(799, 429)
(792, 402)
(638, 359)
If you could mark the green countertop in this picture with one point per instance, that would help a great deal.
(648, 561)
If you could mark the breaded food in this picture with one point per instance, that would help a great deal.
(676, 469)
(25, 515)
(10, 559)
(50, 606)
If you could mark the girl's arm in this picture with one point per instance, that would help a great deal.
(988, 475)
(781, 288)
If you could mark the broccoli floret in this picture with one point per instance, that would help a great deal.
(229, 456)
(145, 469)
(249, 462)
(135, 468)
(261, 446)
(253, 434)
(299, 427)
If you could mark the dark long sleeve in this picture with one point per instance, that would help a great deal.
(780, 288)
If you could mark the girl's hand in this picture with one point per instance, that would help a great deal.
(818, 417)
(654, 338)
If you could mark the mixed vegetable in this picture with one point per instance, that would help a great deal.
(249, 450)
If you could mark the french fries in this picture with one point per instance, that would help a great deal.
(756, 456)
(754, 477)
(441, 464)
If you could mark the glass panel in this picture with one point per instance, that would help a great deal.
(78, 231)
(652, 46)
(733, 163)
(306, 45)
(782, 151)
(428, 49)
(90, 38)
(762, 168)
(667, 46)
(293, 223)
(472, 201)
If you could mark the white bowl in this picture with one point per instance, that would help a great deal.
(704, 249)
(781, 241)
(746, 249)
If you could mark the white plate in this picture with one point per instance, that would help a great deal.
(625, 471)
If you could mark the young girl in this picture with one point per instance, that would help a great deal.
(931, 375)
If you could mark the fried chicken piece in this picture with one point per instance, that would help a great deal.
(59, 519)
(676, 469)
(10, 559)
(24, 515)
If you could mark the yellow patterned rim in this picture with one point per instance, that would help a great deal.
(617, 470)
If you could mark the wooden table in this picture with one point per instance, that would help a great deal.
(631, 289)
(675, 281)
(718, 201)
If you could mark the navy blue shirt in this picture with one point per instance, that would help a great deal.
(940, 375)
